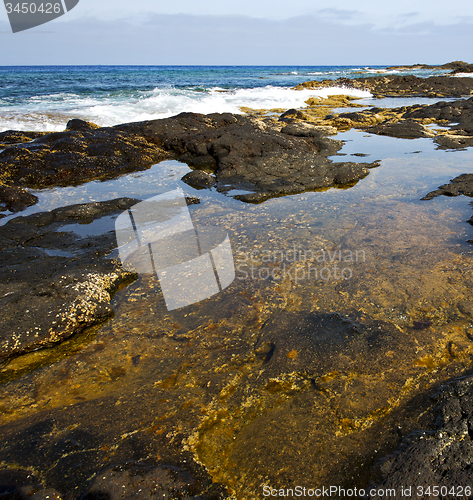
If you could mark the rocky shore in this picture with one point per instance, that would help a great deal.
(400, 86)
(454, 66)
(55, 283)
(442, 453)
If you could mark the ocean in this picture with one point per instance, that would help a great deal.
(44, 98)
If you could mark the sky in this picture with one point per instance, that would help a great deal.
(246, 32)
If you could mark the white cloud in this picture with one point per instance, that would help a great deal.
(234, 40)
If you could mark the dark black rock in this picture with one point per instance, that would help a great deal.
(18, 137)
(253, 154)
(72, 449)
(401, 85)
(15, 199)
(199, 179)
(463, 184)
(407, 129)
(442, 455)
(82, 153)
(140, 481)
(52, 283)
(324, 342)
(80, 125)
(292, 114)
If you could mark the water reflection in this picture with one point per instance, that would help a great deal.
(282, 380)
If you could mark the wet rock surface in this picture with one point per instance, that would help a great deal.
(199, 179)
(154, 392)
(244, 152)
(53, 282)
(401, 86)
(442, 455)
(257, 155)
(83, 152)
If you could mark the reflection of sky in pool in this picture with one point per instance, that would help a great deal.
(203, 358)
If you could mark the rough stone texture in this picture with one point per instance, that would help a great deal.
(199, 179)
(401, 86)
(247, 153)
(82, 153)
(140, 481)
(442, 456)
(407, 129)
(463, 184)
(53, 283)
(15, 137)
(15, 198)
(408, 122)
(88, 451)
(456, 66)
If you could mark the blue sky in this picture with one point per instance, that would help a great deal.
(299, 32)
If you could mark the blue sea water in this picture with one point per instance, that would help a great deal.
(45, 97)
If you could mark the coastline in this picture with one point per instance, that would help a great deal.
(227, 152)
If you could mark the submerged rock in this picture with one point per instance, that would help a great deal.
(199, 179)
(463, 184)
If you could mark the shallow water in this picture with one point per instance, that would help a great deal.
(322, 404)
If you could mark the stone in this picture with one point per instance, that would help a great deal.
(441, 455)
(400, 85)
(199, 179)
(54, 284)
(253, 154)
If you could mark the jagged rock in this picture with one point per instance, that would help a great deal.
(401, 86)
(440, 456)
(15, 198)
(407, 129)
(17, 137)
(463, 184)
(252, 154)
(199, 179)
(81, 153)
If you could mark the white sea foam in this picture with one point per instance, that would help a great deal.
(462, 75)
(51, 113)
